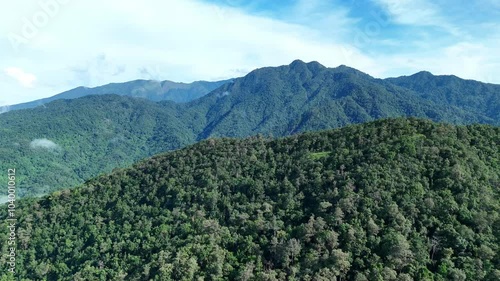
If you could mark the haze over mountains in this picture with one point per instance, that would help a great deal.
(68, 141)
(148, 89)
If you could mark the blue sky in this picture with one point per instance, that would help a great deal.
(49, 46)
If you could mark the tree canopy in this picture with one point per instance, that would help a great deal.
(397, 199)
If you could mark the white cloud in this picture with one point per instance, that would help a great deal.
(43, 144)
(4, 108)
(470, 52)
(186, 39)
(24, 78)
(478, 61)
(417, 13)
(494, 3)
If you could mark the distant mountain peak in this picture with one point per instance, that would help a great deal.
(149, 89)
(345, 68)
(301, 66)
(423, 74)
(298, 65)
(352, 71)
(299, 62)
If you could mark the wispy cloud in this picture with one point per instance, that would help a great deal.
(43, 144)
(24, 78)
(415, 12)
(4, 107)
(468, 50)
(418, 13)
(187, 40)
(466, 60)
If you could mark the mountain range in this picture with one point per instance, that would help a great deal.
(68, 141)
(147, 89)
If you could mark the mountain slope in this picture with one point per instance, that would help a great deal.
(277, 101)
(308, 96)
(68, 141)
(400, 199)
(473, 96)
(147, 89)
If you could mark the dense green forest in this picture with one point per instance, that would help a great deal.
(65, 142)
(397, 199)
(470, 95)
(71, 140)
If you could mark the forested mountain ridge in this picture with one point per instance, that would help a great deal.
(399, 199)
(68, 141)
(147, 89)
(308, 96)
(469, 95)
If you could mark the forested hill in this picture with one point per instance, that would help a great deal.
(399, 199)
(309, 96)
(147, 89)
(68, 141)
(469, 95)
